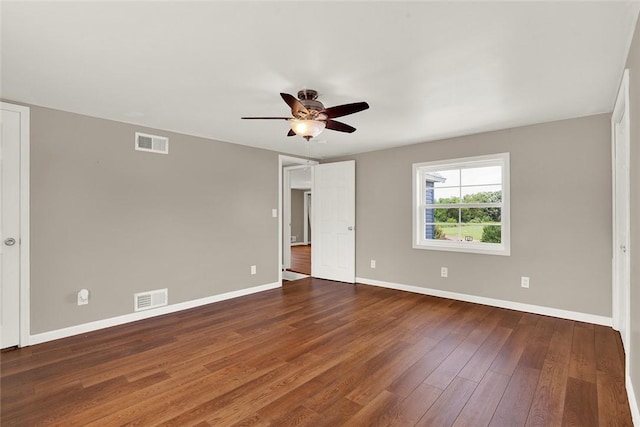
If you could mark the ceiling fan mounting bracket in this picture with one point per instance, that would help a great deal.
(307, 94)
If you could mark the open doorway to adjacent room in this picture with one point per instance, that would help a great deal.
(297, 178)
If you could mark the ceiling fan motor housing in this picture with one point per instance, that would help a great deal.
(308, 98)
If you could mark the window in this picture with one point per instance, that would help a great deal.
(462, 205)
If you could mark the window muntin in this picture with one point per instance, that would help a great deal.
(463, 205)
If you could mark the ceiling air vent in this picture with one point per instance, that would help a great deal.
(151, 299)
(152, 143)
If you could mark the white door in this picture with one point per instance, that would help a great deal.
(11, 120)
(621, 215)
(333, 221)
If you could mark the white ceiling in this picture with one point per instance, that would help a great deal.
(429, 70)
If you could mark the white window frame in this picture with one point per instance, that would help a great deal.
(419, 206)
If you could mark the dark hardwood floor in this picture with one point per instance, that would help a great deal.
(301, 259)
(322, 353)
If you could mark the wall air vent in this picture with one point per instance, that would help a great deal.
(151, 299)
(152, 143)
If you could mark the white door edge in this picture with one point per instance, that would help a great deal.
(25, 140)
(621, 296)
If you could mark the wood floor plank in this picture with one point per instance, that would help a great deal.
(414, 406)
(447, 408)
(483, 402)
(548, 401)
(322, 353)
(514, 406)
(583, 354)
(610, 377)
(482, 359)
(442, 376)
(508, 358)
(373, 413)
(301, 259)
(581, 404)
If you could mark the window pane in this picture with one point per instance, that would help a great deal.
(484, 194)
(491, 234)
(482, 175)
(447, 195)
(471, 233)
(480, 215)
(451, 178)
(449, 215)
(441, 232)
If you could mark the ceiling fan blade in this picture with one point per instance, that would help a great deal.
(297, 109)
(266, 118)
(339, 126)
(343, 110)
(291, 133)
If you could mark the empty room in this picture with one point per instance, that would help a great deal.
(320, 213)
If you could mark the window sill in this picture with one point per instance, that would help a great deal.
(465, 248)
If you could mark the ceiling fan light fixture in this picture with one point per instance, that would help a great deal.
(307, 128)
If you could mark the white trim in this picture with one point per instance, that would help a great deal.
(140, 315)
(299, 244)
(512, 305)
(620, 110)
(305, 228)
(633, 402)
(25, 240)
(286, 216)
(418, 221)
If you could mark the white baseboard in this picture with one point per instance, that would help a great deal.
(530, 308)
(140, 315)
(299, 244)
(633, 402)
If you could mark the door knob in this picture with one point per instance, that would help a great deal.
(10, 241)
(623, 248)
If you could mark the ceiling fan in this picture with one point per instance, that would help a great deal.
(310, 117)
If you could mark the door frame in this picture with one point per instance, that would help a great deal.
(286, 211)
(621, 296)
(307, 196)
(286, 161)
(24, 238)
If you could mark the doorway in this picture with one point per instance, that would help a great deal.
(296, 177)
(298, 259)
(332, 219)
(14, 225)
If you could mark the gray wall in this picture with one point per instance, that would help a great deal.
(297, 214)
(633, 63)
(560, 217)
(119, 221)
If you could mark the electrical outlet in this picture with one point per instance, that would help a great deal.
(444, 272)
(274, 213)
(83, 297)
(524, 281)
(253, 269)
(373, 263)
